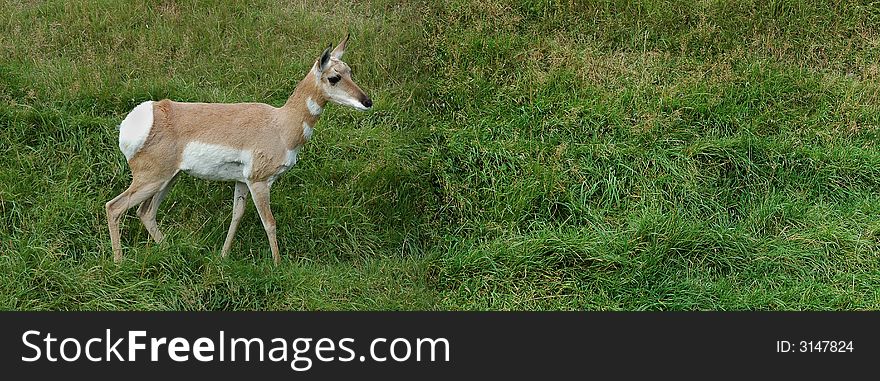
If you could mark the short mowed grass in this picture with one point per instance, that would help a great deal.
(531, 155)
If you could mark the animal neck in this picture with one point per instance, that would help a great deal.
(304, 107)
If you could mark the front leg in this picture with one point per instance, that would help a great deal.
(260, 194)
(239, 200)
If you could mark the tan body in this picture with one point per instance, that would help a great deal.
(249, 143)
(268, 132)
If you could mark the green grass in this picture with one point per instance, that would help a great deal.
(533, 155)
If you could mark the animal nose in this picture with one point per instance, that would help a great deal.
(368, 103)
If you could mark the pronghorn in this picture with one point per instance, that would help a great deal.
(249, 143)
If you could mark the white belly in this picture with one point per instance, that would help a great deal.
(216, 162)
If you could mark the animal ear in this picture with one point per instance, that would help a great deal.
(324, 60)
(340, 49)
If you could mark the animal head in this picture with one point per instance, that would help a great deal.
(334, 79)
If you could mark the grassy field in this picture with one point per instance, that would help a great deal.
(533, 155)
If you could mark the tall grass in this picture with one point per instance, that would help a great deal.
(600, 155)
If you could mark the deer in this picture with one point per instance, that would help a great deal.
(251, 144)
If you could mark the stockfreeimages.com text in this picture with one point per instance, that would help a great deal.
(139, 345)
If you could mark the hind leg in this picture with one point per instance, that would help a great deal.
(137, 192)
(148, 209)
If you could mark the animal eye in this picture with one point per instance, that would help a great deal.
(333, 80)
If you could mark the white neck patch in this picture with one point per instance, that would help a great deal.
(307, 131)
(314, 109)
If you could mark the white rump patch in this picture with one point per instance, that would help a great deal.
(314, 109)
(307, 131)
(216, 162)
(135, 128)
